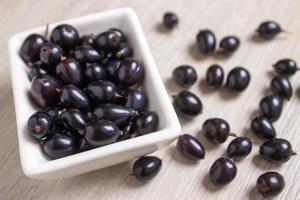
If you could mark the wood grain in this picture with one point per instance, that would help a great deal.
(179, 177)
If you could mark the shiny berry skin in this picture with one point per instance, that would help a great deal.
(119, 33)
(44, 90)
(281, 86)
(222, 172)
(187, 104)
(124, 51)
(239, 148)
(262, 127)
(65, 36)
(130, 72)
(109, 40)
(112, 67)
(127, 131)
(170, 20)
(271, 107)
(39, 124)
(270, 184)
(238, 79)
(69, 71)
(229, 44)
(87, 40)
(206, 41)
(74, 119)
(286, 67)
(191, 147)
(94, 72)
(51, 54)
(101, 92)
(72, 96)
(268, 29)
(117, 114)
(277, 150)
(30, 49)
(147, 122)
(216, 130)
(59, 146)
(184, 75)
(146, 168)
(137, 100)
(87, 54)
(215, 76)
(101, 132)
(35, 70)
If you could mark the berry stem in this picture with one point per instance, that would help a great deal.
(232, 135)
(47, 30)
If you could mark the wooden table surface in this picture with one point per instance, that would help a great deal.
(179, 178)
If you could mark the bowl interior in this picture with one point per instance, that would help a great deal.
(89, 24)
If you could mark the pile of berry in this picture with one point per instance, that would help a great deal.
(217, 130)
(89, 90)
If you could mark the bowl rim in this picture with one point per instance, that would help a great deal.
(171, 130)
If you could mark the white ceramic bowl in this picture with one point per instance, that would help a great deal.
(35, 164)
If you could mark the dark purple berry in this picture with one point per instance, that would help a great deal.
(229, 44)
(269, 29)
(39, 124)
(130, 72)
(101, 132)
(147, 122)
(263, 128)
(206, 41)
(190, 147)
(146, 168)
(271, 107)
(277, 150)
(137, 100)
(185, 75)
(239, 148)
(87, 54)
(69, 71)
(109, 40)
(222, 172)
(74, 119)
(281, 86)
(187, 104)
(270, 184)
(44, 90)
(238, 79)
(59, 146)
(215, 76)
(65, 36)
(72, 96)
(30, 49)
(216, 130)
(170, 20)
(286, 67)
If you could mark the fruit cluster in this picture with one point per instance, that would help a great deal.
(217, 130)
(89, 90)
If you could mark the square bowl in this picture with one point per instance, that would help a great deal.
(34, 163)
